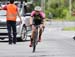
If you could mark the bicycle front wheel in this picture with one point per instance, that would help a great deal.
(34, 46)
(35, 40)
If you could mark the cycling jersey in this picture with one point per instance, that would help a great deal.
(37, 18)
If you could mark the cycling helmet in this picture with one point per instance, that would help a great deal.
(37, 8)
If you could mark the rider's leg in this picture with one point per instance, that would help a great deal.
(33, 30)
(40, 32)
(32, 36)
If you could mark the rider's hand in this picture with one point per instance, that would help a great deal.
(30, 25)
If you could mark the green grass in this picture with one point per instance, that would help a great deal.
(68, 18)
(69, 29)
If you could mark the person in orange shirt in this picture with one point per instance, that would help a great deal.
(12, 12)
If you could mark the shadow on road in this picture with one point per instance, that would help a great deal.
(17, 41)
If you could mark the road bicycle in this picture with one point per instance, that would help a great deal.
(36, 37)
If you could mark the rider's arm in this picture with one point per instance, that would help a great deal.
(44, 21)
(43, 16)
(31, 18)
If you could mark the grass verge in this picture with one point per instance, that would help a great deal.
(69, 28)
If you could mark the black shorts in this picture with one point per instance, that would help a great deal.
(37, 22)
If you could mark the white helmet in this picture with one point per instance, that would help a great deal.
(37, 8)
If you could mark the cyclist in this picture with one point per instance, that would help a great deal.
(37, 18)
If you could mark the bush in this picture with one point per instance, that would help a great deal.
(57, 9)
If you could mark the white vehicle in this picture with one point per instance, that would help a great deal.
(23, 29)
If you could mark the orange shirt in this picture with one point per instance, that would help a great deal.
(11, 12)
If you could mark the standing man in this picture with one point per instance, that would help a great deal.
(12, 12)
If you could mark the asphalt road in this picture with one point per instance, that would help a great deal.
(55, 43)
(62, 23)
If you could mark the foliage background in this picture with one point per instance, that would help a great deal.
(59, 9)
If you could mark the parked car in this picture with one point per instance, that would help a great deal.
(23, 29)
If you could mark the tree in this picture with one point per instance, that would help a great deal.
(57, 8)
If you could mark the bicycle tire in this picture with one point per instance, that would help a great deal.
(35, 40)
(34, 47)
